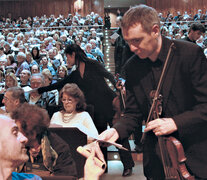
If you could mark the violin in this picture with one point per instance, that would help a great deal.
(119, 100)
(121, 89)
(171, 150)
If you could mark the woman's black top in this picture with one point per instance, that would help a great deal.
(93, 85)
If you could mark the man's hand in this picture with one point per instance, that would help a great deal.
(92, 170)
(162, 126)
(110, 135)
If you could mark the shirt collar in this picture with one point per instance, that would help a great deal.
(164, 49)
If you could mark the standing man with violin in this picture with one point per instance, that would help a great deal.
(184, 94)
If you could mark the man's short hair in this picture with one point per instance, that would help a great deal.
(197, 27)
(145, 15)
(27, 71)
(17, 93)
(38, 75)
(21, 54)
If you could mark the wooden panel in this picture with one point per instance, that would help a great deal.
(33, 8)
(191, 6)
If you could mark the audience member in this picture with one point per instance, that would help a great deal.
(73, 112)
(7, 49)
(198, 16)
(11, 62)
(30, 60)
(195, 31)
(96, 51)
(46, 100)
(48, 153)
(22, 63)
(10, 80)
(88, 48)
(90, 77)
(45, 65)
(62, 72)
(25, 78)
(2, 55)
(35, 69)
(55, 62)
(13, 98)
(49, 80)
(12, 152)
(36, 54)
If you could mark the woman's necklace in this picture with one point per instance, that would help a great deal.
(66, 117)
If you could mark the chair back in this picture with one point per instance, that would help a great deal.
(74, 137)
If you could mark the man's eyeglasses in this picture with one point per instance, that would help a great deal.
(6, 98)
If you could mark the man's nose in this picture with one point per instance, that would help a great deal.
(22, 138)
(132, 47)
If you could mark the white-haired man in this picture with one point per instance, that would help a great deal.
(22, 63)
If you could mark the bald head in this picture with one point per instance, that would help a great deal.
(5, 121)
(12, 143)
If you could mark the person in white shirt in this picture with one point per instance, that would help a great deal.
(73, 112)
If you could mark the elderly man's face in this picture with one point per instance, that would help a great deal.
(34, 69)
(24, 76)
(36, 82)
(51, 54)
(9, 102)
(20, 59)
(12, 143)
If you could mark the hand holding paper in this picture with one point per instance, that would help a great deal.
(106, 138)
(95, 164)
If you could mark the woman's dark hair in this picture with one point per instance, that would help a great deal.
(11, 58)
(60, 44)
(38, 53)
(79, 53)
(33, 120)
(74, 91)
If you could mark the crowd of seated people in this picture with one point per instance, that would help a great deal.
(31, 45)
(23, 42)
(180, 25)
(32, 56)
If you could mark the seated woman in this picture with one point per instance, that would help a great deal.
(62, 72)
(10, 81)
(72, 114)
(48, 153)
(48, 79)
(11, 62)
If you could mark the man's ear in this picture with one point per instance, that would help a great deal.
(16, 102)
(155, 30)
